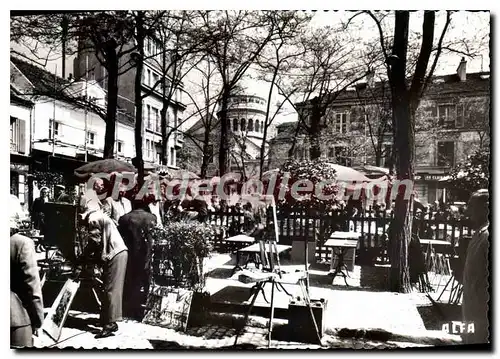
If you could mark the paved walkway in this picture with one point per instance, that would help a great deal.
(352, 316)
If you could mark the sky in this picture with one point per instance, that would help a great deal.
(465, 25)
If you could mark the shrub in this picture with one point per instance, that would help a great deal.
(178, 252)
(314, 171)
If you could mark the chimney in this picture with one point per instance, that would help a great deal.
(369, 78)
(462, 70)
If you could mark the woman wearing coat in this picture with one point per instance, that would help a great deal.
(26, 304)
(105, 241)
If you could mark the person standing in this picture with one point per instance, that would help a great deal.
(105, 240)
(134, 228)
(475, 304)
(26, 303)
(37, 209)
(115, 208)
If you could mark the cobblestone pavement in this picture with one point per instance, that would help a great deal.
(135, 335)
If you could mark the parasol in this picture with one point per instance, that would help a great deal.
(181, 174)
(347, 174)
(108, 165)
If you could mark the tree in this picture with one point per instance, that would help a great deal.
(375, 101)
(234, 39)
(204, 96)
(405, 98)
(278, 58)
(469, 176)
(325, 70)
(105, 34)
(179, 42)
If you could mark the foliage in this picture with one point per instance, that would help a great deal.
(178, 252)
(315, 171)
(47, 179)
(470, 175)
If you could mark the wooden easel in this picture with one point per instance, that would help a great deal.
(274, 270)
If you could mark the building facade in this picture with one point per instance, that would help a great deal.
(56, 135)
(21, 111)
(86, 66)
(247, 116)
(452, 121)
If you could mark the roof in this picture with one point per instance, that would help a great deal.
(48, 84)
(476, 82)
(200, 125)
(287, 130)
(16, 97)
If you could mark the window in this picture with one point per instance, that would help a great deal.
(235, 125)
(119, 146)
(149, 149)
(257, 126)
(158, 157)
(172, 154)
(341, 123)
(148, 123)
(459, 122)
(447, 115)
(386, 155)
(341, 156)
(54, 129)
(157, 122)
(210, 153)
(243, 125)
(156, 78)
(148, 80)
(250, 125)
(91, 138)
(446, 154)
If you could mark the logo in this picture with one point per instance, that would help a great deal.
(458, 327)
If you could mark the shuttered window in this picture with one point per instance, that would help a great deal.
(18, 135)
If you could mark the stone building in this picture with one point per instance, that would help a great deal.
(247, 114)
(452, 122)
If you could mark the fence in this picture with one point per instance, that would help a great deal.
(373, 242)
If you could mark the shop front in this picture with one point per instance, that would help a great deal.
(429, 189)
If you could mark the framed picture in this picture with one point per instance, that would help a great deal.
(54, 321)
(168, 307)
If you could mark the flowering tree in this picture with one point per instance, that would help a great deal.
(315, 171)
(469, 176)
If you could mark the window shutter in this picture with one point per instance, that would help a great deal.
(22, 136)
(348, 120)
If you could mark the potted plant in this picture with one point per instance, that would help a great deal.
(178, 254)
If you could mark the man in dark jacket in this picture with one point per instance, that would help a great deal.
(134, 227)
(26, 304)
(37, 209)
(475, 306)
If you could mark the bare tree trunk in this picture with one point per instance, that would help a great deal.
(266, 125)
(163, 113)
(140, 35)
(112, 103)
(315, 129)
(204, 163)
(224, 139)
(404, 145)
